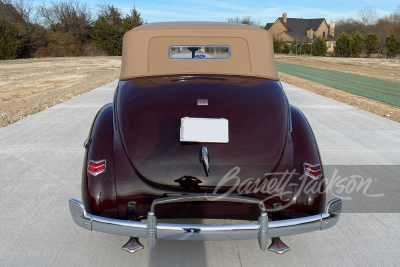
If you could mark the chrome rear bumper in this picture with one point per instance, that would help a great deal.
(261, 230)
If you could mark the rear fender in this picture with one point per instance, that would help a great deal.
(309, 193)
(98, 191)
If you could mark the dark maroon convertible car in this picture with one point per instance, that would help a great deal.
(200, 127)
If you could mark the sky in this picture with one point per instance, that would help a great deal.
(260, 11)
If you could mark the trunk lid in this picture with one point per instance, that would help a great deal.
(149, 120)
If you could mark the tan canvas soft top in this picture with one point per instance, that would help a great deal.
(146, 50)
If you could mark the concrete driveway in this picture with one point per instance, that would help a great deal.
(40, 169)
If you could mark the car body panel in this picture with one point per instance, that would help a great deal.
(98, 192)
(259, 166)
(149, 129)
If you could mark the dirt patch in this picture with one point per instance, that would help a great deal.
(376, 107)
(386, 69)
(32, 85)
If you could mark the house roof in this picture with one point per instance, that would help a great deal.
(298, 27)
(268, 26)
(8, 12)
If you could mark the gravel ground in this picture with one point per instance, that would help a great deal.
(32, 85)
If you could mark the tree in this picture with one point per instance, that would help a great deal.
(319, 47)
(300, 46)
(111, 14)
(244, 20)
(9, 43)
(132, 20)
(357, 45)
(25, 9)
(343, 45)
(294, 46)
(349, 26)
(33, 37)
(110, 27)
(392, 46)
(68, 17)
(107, 36)
(369, 15)
(108, 30)
(371, 43)
(31, 34)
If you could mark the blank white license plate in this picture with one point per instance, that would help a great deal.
(204, 130)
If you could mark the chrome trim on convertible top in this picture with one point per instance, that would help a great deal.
(261, 230)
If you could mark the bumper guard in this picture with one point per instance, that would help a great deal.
(261, 230)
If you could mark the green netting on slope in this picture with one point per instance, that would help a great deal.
(381, 90)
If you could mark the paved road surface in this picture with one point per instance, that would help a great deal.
(40, 169)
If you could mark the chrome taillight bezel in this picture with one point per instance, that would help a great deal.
(96, 167)
(313, 171)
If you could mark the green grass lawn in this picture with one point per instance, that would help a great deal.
(378, 89)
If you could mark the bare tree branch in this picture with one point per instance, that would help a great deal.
(68, 17)
(369, 15)
(25, 8)
(244, 20)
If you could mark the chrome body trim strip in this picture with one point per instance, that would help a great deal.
(152, 230)
(205, 160)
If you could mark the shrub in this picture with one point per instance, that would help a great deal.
(357, 45)
(9, 43)
(92, 50)
(392, 45)
(319, 47)
(371, 43)
(286, 48)
(343, 45)
(306, 48)
(60, 45)
(277, 46)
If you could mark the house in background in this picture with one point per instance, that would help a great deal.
(7, 11)
(306, 30)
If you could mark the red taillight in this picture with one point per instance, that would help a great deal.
(96, 167)
(313, 171)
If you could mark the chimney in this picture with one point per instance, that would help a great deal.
(284, 17)
(332, 28)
